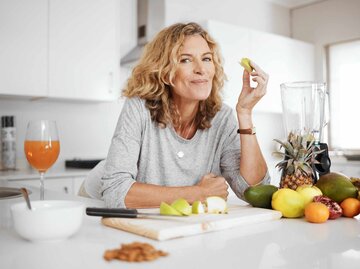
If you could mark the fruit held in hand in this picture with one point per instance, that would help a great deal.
(289, 202)
(350, 207)
(245, 62)
(316, 212)
(334, 208)
(337, 187)
(216, 205)
(308, 192)
(260, 195)
(182, 206)
(166, 209)
(198, 208)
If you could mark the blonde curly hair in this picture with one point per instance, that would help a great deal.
(151, 78)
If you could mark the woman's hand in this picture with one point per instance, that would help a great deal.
(212, 185)
(250, 96)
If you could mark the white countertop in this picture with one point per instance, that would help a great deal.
(54, 172)
(286, 243)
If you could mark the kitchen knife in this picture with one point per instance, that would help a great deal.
(122, 213)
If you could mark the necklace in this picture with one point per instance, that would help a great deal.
(181, 154)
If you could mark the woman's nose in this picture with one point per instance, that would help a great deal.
(199, 67)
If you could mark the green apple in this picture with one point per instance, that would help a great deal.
(245, 62)
(308, 192)
(166, 209)
(182, 206)
(198, 208)
(216, 205)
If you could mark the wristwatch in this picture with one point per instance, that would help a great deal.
(249, 131)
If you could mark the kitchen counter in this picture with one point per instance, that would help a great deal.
(285, 243)
(55, 172)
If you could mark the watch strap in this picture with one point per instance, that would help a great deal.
(249, 131)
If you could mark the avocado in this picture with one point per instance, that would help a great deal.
(260, 195)
(336, 186)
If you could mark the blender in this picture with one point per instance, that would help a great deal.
(305, 110)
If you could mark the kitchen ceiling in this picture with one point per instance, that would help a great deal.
(294, 3)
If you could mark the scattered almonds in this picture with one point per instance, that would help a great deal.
(134, 252)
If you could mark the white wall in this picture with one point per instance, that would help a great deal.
(325, 23)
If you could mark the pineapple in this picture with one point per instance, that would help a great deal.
(299, 158)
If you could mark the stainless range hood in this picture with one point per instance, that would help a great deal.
(150, 20)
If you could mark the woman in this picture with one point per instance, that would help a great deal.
(175, 138)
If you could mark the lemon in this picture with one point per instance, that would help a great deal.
(289, 202)
(308, 192)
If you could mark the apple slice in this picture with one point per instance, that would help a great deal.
(216, 205)
(198, 208)
(245, 62)
(166, 209)
(182, 206)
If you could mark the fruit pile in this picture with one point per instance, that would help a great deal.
(334, 195)
(181, 207)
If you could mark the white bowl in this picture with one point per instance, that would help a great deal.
(48, 220)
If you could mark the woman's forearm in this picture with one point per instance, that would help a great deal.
(252, 163)
(143, 195)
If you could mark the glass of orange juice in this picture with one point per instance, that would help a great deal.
(42, 147)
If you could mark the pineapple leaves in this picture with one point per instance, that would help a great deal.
(300, 153)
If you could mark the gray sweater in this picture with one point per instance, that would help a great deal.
(141, 151)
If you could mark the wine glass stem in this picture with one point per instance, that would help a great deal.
(42, 176)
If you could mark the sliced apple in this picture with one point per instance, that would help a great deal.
(245, 62)
(216, 205)
(166, 209)
(198, 208)
(182, 206)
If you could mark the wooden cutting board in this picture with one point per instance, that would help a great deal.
(174, 227)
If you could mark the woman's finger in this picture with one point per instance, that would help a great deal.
(246, 79)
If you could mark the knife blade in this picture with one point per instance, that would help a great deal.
(122, 213)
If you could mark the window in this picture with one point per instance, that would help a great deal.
(344, 90)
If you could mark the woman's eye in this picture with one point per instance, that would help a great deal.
(185, 60)
(207, 59)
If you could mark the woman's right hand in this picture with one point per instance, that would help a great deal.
(212, 185)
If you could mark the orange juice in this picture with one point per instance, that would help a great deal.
(41, 154)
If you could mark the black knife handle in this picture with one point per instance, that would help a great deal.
(111, 212)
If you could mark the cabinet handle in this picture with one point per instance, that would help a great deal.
(111, 82)
(66, 190)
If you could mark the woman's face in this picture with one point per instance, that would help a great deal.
(196, 69)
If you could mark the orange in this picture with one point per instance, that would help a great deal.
(316, 212)
(350, 207)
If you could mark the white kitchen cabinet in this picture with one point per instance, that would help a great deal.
(284, 59)
(84, 49)
(63, 185)
(68, 49)
(350, 169)
(23, 47)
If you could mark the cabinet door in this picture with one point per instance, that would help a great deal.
(84, 49)
(285, 60)
(63, 185)
(23, 47)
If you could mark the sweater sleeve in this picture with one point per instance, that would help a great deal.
(121, 163)
(230, 160)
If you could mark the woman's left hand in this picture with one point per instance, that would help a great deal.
(250, 96)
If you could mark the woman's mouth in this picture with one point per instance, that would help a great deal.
(199, 81)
